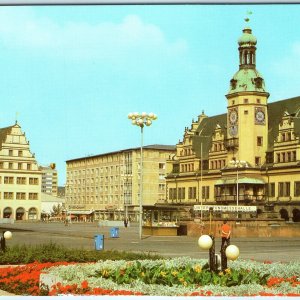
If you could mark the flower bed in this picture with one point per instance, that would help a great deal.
(170, 277)
(184, 276)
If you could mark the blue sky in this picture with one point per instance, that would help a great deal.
(73, 73)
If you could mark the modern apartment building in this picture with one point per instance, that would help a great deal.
(20, 178)
(248, 156)
(49, 179)
(107, 186)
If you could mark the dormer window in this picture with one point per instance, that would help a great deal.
(233, 83)
(258, 82)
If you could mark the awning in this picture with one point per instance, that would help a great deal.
(245, 180)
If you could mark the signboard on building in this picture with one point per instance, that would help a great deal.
(225, 208)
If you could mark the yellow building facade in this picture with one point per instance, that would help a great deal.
(20, 178)
(107, 186)
(249, 156)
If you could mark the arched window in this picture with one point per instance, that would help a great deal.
(284, 214)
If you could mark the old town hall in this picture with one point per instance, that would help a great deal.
(249, 156)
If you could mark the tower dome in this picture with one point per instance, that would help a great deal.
(247, 39)
(247, 78)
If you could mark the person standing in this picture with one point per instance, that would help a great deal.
(225, 233)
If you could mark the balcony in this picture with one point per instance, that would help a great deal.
(231, 144)
(244, 198)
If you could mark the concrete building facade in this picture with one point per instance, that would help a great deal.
(107, 186)
(248, 156)
(20, 178)
(49, 179)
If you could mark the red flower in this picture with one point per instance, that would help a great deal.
(84, 284)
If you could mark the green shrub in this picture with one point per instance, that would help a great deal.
(23, 254)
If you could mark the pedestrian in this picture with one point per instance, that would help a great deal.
(125, 222)
(225, 233)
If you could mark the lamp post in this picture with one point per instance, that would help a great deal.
(238, 164)
(141, 120)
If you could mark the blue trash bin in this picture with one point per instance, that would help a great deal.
(99, 242)
(114, 232)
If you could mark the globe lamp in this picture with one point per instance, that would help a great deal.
(232, 252)
(7, 235)
(205, 242)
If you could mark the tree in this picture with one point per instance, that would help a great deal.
(56, 210)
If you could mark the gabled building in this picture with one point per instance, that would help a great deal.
(248, 156)
(20, 178)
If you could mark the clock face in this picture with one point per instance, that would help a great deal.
(233, 130)
(233, 116)
(260, 117)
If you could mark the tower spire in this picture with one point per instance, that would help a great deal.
(247, 47)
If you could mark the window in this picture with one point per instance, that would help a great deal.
(258, 101)
(278, 157)
(283, 189)
(294, 155)
(21, 180)
(181, 193)
(272, 189)
(34, 181)
(33, 196)
(162, 165)
(259, 141)
(246, 112)
(10, 165)
(289, 156)
(8, 195)
(10, 152)
(205, 192)
(1, 165)
(28, 166)
(19, 166)
(246, 101)
(8, 180)
(192, 192)
(21, 196)
(161, 187)
(257, 161)
(20, 153)
(297, 188)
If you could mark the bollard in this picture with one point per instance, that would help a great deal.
(212, 255)
(223, 258)
(2, 243)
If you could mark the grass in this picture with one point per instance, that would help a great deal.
(51, 252)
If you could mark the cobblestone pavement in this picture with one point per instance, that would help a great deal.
(82, 236)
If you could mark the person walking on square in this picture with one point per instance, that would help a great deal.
(225, 233)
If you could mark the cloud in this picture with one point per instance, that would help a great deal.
(131, 37)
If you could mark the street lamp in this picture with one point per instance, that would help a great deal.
(141, 120)
(238, 164)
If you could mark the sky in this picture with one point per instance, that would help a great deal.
(71, 74)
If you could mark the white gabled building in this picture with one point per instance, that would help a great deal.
(20, 178)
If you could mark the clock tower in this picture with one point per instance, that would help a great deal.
(247, 118)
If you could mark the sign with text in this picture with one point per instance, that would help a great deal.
(225, 208)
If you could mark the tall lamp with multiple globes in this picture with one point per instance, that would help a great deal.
(141, 119)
